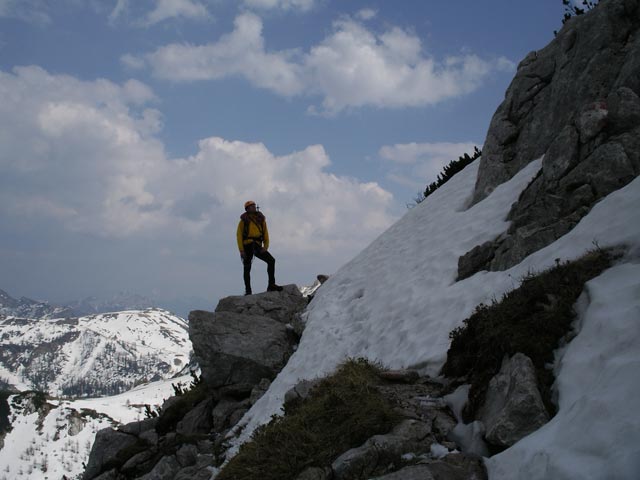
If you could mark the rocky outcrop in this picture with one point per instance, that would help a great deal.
(240, 347)
(379, 451)
(247, 338)
(513, 406)
(104, 453)
(418, 446)
(234, 349)
(575, 102)
(452, 467)
(283, 307)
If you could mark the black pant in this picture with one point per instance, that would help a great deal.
(255, 249)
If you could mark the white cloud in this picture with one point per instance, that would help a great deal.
(85, 155)
(239, 53)
(166, 9)
(161, 10)
(119, 9)
(366, 14)
(132, 62)
(32, 11)
(301, 5)
(418, 164)
(352, 67)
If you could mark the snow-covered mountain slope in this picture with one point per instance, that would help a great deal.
(56, 439)
(95, 355)
(397, 301)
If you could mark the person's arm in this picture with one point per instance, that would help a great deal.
(239, 237)
(265, 235)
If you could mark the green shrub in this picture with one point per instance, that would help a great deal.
(570, 10)
(169, 418)
(342, 412)
(447, 173)
(532, 319)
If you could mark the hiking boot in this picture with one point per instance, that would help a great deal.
(247, 292)
(274, 288)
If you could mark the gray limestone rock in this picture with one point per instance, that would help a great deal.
(187, 455)
(200, 471)
(451, 467)
(562, 155)
(165, 469)
(110, 475)
(107, 445)
(236, 416)
(575, 102)
(224, 413)
(315, 473)
(136, 428)
(592, 119)
(476, 259)
(300, 391)
(282, 306)
(76, 423)
(198, 420)
(234, 348)
(259, 390)
(150, 437)
(607, 169)
(513, 406)
(140, 462)
(411, 436)
(624, 110)
(412, 472)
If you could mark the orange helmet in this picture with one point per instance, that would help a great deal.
(248, 203)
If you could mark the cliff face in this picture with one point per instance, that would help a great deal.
(575, 102)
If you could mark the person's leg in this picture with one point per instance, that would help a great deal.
(248, 257)
(271, 267)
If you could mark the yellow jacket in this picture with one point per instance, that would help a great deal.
(257, 222)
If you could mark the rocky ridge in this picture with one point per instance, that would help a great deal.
(240, 348)
(577, 103)
(26, 308)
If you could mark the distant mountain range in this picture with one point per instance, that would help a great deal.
(28, 308)
(72, 353)
(47, 348)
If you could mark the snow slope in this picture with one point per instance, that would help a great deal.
(59, 443)
(397, 301)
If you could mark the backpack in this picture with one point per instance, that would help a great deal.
(258, 219)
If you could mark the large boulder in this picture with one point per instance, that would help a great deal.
(234, 348)
(106, 449)
(576, 103)
(247, 339)
(410, 436)
(513, 406)
(452, 467)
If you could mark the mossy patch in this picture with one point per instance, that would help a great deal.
(532, 319)
(342, 412)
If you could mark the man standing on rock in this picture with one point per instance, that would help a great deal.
(253, 240)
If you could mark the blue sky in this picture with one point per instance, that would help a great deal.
(132, 131)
